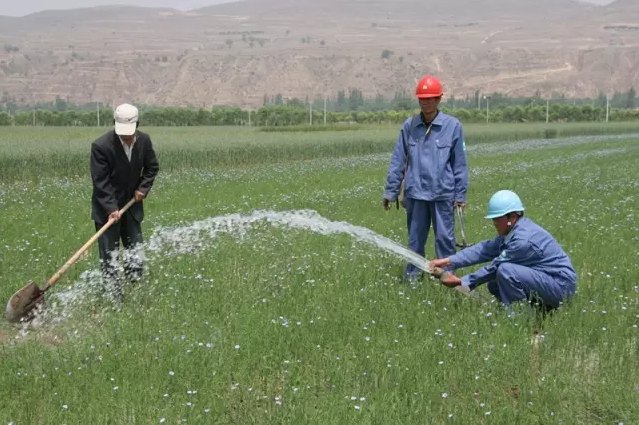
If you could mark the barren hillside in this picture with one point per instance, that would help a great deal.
(235, 53)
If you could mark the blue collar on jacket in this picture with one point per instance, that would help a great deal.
(438, 121)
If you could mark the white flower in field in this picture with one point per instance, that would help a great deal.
(441, 362)
(237, 347)
(444, 395)
(162, 420)
(356, 407)
(115, 388)
(368, 338)
(171, 373)
(64, 406)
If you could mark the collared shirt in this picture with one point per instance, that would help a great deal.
(128, 149)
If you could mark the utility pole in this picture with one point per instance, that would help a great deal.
(324, 109)
(487, 107)
(607, 108)
(97, 107)
(34, 117)
(310, 112)
(547, 107)
(249, 117)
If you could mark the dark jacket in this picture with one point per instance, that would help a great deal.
(115, 180)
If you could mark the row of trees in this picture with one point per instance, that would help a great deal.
(286, 115)
(353, 99)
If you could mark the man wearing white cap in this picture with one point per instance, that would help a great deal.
(123, 166)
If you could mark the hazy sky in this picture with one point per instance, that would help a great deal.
(24, 7)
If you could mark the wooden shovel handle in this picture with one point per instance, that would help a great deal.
(86, 246)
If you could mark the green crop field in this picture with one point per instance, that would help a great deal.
(251, 313)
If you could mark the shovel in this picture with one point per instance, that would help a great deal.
(460, 216)
(22, 304)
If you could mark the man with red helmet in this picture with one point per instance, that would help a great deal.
(429, 166)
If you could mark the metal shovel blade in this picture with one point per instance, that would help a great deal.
(21, 304)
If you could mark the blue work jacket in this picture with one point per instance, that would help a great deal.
(437, 167)
(527, 244)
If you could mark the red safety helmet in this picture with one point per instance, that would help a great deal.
(428, 86)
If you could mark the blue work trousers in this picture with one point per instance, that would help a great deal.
(419, 215)
(517, 283)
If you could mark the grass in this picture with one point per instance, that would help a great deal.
(291, 326)
(30, 153)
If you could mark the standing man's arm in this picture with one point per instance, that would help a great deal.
(460, 166)
(150, 170)
(396, 168)
(100, 175)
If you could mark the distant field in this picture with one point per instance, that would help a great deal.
(251, 323)
(34, 153)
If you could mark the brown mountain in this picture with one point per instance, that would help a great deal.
(235, 53)
(624, 6)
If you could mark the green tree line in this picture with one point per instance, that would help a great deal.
(287, 115)
(353, 99)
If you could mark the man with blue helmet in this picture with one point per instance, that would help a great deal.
(430, 172)
(526, 262)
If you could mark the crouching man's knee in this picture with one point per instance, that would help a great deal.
(518, 283)
(507, 272)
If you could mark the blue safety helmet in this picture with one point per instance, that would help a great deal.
(502, 203)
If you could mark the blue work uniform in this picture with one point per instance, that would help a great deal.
(436, 176)
(527, 263)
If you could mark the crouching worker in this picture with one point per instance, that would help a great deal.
(526, 262)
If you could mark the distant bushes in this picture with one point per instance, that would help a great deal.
(285, 115)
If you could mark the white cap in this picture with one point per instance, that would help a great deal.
(126, 118)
